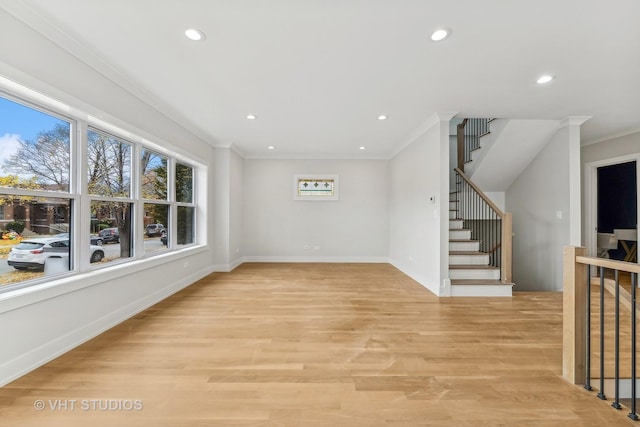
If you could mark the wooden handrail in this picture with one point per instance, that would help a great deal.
(629, 267)
(484, 197)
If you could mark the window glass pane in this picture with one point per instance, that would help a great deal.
(154, 176)
(184, 183)
(186, 215)
(34, 239)
(156, 216)
(110, 231)
(108, 166)
(34, 149)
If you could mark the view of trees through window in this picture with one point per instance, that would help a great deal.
(39, 199)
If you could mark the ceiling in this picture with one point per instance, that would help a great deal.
(318, 73)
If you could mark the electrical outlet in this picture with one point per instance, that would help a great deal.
(306, 247)
(316, 248)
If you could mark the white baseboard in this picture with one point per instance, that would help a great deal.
(19, 366)
(336, 259)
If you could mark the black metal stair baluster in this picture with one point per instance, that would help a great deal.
(601, 394)
(587, 384)
(616, 379)
(632, 414)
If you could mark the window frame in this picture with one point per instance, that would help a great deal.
(78, 195)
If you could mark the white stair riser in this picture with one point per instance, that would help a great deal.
(453, 214)
(481, 274)
(468, 259)
(464, 246)
(453, 205)
(459, 234)
(455, 224)
(480, 291)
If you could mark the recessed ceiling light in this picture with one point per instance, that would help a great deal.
(193, 34)
(440, 34)
(382, 117)
(363, 147)
(271, 147)
(251, 117)
(544, 79)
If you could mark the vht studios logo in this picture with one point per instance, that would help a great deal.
(106, 405)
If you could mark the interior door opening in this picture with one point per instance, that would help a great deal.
(617, 212)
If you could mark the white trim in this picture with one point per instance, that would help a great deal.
(573, 121)
(591, 197)
(330, 259)
(34, 293)
(425, 126)
(610, 137)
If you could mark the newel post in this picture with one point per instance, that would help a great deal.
(506, 263)
(574, 316)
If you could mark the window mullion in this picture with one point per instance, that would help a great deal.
(81, 215)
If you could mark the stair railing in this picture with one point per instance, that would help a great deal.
(578, 332)
(468, 134)
(488, 224)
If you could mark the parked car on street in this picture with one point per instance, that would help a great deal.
(154, 230)
(32, 253)
(110, 235)
(95, 240)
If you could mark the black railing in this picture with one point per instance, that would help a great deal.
(469, 133)
(480, 216)
(610, 327)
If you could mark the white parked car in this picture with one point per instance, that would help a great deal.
(32, 253)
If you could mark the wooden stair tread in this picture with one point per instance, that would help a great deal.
(459, 229)
(470, 282)
(478, 253)
(462, 241)
(471, 267)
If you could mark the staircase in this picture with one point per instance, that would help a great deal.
(479, 236)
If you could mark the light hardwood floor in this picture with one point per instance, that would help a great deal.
(317, 345)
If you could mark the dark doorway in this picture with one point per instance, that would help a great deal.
(617, 210)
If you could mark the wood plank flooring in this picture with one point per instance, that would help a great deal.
(316, 345)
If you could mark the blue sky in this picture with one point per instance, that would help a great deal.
(20, 122)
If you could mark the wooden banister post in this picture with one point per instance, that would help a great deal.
(460, 135)
(506, 268)
(574, 311)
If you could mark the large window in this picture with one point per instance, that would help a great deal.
(42, 203)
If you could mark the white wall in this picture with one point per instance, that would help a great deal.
(419, 229)
(353, 228)
(616, 147)
(541, 194)
(43, 321)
